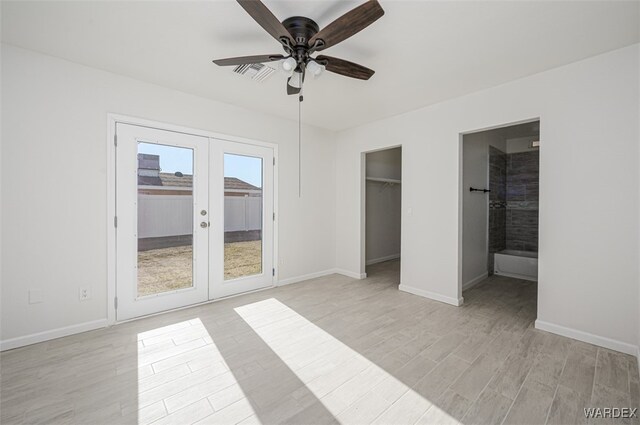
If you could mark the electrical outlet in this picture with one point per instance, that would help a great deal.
(85, 293)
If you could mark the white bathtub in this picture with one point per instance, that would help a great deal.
(518, 264)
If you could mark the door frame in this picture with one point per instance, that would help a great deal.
(112, 120)
(363, 207)
(461, 191)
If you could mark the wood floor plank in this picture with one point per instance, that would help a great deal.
(531, 405)
(355, 388)
(187, 415)
(443, 347)
(547, 369)
(579, 372)
(436, 382)
(406, 410)
(612, 370)
(510, 377)
(473, 380)
(232, 414)
(568, 407)
(450, 408)
(364, 411)
(605, 396)
(490, 408)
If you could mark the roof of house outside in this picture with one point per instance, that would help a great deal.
(186, 180)
(237, 184)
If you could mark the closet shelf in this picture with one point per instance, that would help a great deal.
(383, 180)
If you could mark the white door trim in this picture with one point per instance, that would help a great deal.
(112, 120)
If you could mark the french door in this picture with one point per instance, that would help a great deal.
(242, 242)
(191, 219)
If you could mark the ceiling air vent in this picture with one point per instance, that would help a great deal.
(256, 71)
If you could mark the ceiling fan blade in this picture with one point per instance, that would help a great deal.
(348, 24)
(244, 60)
(267, 20)
(346, 68)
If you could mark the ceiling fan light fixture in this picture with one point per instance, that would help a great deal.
(315, 68)
(296, 80)
(288, 65)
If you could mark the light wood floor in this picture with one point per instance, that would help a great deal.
(331, 350)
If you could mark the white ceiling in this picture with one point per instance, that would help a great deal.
(423, 52)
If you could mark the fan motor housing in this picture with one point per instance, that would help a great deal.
(301, 29)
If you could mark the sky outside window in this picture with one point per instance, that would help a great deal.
(174, 159)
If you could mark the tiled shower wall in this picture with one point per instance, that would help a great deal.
(522, 200)
(513, 202)
(497, 203)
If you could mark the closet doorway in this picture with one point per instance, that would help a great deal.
(383, 211)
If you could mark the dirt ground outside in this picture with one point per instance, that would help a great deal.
(167, 269)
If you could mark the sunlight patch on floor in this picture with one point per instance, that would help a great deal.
(183, 378)
(351, 387)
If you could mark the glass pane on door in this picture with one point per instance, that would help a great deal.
(165, 218)
(243, 206)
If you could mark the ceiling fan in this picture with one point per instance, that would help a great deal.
(301, 37)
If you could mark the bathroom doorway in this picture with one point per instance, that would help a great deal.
(500, 194)
(383, 210)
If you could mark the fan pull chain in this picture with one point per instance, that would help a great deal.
(300, 99)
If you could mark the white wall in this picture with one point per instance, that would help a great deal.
(588, 266)
(383, 206)
(54, 187)
(475, 219)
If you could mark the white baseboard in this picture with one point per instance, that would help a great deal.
(21, 341)
(432, 295)
(473, 282)
(516, 276)
(314, 275)
(383, 259)
(601, 341)
(302, 278)
(353, 275)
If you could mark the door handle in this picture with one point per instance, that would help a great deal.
(204, 224)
